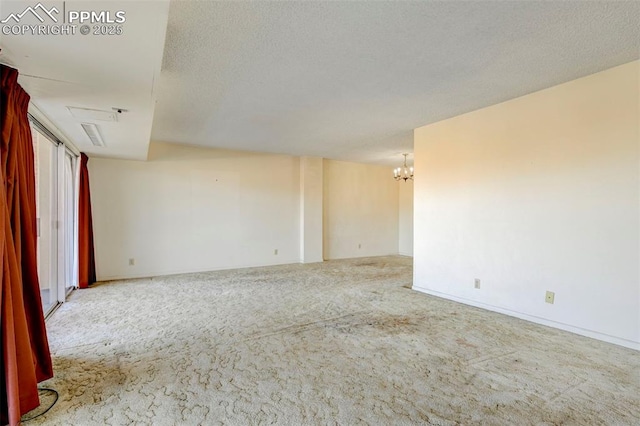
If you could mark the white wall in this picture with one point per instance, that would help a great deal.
(538, 193)
(191, 209)
(405, 216)
(360, 210)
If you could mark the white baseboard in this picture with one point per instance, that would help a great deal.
(151, 274)
(359, 256)
(538, 320)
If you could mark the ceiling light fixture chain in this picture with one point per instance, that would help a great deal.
(403, 173)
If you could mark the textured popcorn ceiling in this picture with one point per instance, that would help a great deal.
(343, 80)
(351, 80)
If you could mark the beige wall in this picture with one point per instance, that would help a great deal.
(311, 169)
(360, 210)
(191, 209)
(538, 193)
(405, 216)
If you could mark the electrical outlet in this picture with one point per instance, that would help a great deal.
(476, 283)
(132, 261)
(549, 297)
(275, 251)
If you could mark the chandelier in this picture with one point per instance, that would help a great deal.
(403, 173)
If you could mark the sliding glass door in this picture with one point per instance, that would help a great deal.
(56, 192)
(45, 154)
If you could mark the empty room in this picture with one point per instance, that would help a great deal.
(320, 212)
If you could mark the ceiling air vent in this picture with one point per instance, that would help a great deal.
(92, 132)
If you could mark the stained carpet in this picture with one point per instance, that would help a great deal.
(342, 342)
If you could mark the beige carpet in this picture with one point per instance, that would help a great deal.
(343, 342)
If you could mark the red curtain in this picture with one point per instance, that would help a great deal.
(86, 257)
(25, 349)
